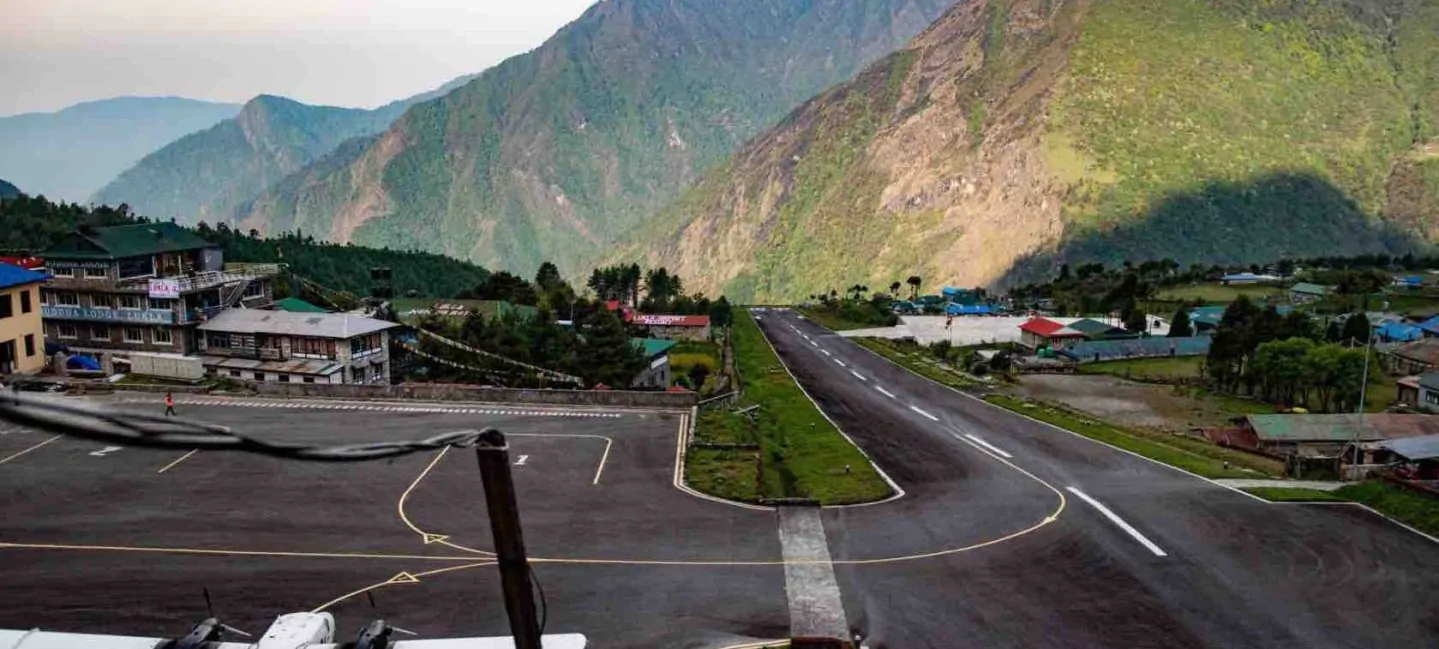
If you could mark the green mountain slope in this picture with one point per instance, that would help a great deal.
(8, 190)
(1017, 135)
(205, 175)
(554, 153)
(69, 154)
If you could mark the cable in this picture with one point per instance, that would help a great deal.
(153, 431)
(544, 606)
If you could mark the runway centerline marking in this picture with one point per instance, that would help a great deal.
(858, 375)
(989, 446)
(182, 458)
(1114, 518)
(931, 417)
(885, 392)
(826, 352)
(841, 363)
(18, 454)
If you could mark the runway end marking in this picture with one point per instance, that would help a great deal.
(403, 578)
(1114, 518)
(885, 392)
(435, 538)
(182, 458)
(995, 449)
(858, 375)
(931, 417)
(15, 455)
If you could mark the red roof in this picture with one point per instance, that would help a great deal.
(1049, 329)
(28, 263)
(672, 320)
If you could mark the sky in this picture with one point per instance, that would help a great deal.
(357, 53)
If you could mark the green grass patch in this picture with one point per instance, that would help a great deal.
(1193, 455)
(136, 379)
(1217, 293)
(917, 361)
(801, 455)
(1294, 495)
(1161, 369)
(1414, 509)
(727, 473)
(848, 315)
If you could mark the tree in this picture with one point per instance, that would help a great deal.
(606, 353)
(1134, 318)
(914, 282)
(1356, 330)
(548, 276)
(1179, 326)
(719, 312)
(894, 289)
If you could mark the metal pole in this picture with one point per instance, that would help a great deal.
(493, 455)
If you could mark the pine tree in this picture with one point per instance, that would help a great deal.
(1180, 327)
(606, 354)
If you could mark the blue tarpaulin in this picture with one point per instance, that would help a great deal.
(1398, 332)
(81, 362)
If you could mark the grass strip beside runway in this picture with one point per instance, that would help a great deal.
(918, 362)
(1294, 495)
(795, 452)
(1193, 455)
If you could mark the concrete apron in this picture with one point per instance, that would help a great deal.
(815, 609)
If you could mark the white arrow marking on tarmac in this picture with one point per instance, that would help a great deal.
(858, 376)
(1114, 518)
(884, 392)
(989, 446)
(104, 451)
(931, 417)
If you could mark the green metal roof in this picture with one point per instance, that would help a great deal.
(297, 305)
(1095, 328)
(1341, 427)
(1309, 289)
(122, 241)
(652, 346)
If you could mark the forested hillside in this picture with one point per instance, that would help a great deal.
(1017, 135)
(29, 225)
(206, 175)
(553, 154)
(8, 190)
(68, 154)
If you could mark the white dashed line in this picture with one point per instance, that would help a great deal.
(885, 392)
(931, 417)
(826, 352)
(841, 363)
(994, 449)
(1114, 518)
(858, 375)
(814, 343)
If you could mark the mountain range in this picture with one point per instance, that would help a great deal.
(207, 174)
(556, 153)
(68, 154)
(1015, 136)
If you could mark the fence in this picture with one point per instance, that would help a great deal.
(1092, 351)
(454, 392)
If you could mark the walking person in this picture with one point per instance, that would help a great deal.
(170, 405)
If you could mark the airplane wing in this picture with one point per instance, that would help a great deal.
(49, 640)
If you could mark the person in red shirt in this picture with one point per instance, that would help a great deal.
(169, 405)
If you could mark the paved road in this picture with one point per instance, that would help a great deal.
(288, 536)
(1204, 566)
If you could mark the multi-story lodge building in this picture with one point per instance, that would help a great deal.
(142, 288)
(285, 347)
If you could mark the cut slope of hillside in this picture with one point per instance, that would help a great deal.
(1017, 135)
(206, 175)
(552, 154)
(69, 154)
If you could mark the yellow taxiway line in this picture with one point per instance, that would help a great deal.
(229, 552)
(402, 578)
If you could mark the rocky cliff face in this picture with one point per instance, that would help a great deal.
(557, 153)
(1017, 135)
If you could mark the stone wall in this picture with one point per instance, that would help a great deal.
(452, 392)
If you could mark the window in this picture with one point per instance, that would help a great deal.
(235, 373)
(254, 289)
(284, 378)
(25, 299)
(309, 379)
(63, 298)
(95, 273)
(365, 345)
(7, 308)
(1431, 397)
(137, 267)
(312, 348)
(131, 302)
(66, 330)
(100, 332)
(163, 337)
(100, 301)
(62, 272)
(157, 304)
(259, 376)
(218, 341)
(357, 374)
(46, 298)
(134, 334)
(29, 345)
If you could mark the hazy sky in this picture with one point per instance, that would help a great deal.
(54, 53)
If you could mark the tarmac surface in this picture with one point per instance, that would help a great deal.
(1085, 545)
(1009, 533)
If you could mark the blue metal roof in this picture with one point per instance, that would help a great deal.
(969, 309)
(17, 276)
(1430, 325)
(1399, 332)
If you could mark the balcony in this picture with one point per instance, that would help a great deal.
(233, 274)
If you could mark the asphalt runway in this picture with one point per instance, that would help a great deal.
(1215, 568)
(125, 540)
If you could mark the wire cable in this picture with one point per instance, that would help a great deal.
(154, 431)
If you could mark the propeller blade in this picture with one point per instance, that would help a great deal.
(403, 631)
(235, 631)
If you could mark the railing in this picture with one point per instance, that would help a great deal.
(212, 278)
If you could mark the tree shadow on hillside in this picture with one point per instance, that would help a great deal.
(1285, 215)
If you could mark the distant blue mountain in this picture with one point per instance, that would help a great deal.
(71, 153)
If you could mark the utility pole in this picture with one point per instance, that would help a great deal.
(493, 455)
